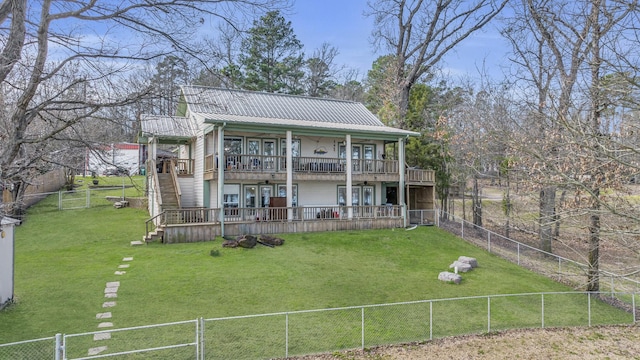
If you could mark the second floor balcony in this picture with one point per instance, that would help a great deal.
(310, 168)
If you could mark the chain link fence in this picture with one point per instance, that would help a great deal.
(297, 333)
(44, 348)
(564, 270)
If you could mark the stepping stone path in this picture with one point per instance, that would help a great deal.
(110, 292)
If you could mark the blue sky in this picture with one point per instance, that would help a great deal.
(343, 24)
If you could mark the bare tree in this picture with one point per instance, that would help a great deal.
(419, 33)
(64, 63)
(567, 48)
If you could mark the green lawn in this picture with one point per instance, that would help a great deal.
(65, 258)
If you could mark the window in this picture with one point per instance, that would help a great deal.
(233, 146)
(342, 195)
(232, 152)
(231, 199)
(295, 147)
(367, 195)
(282, 192)
(250, 193)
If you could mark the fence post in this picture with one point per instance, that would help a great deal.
(59, 199)
(430, 320)
(462, 231)
(197, 339)
(488, 314)
(286, 335)
(59, 351)
(542, 310)
(589, 305)
(362, 312)
(202, 339)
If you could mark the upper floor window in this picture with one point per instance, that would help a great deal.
(233, 145)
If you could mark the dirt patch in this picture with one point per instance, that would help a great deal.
(611, 342)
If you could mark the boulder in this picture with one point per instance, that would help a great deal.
(247, 241)
(270, 240)
(230, 243)
(469, 260)
(449, 277)
(462, 267)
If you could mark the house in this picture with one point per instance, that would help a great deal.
(125, 157)
(6, 259)
(254, 163)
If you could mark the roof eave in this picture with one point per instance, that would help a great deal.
(375, 134)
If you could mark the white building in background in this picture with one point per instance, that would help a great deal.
(126, 156)
(6, 260)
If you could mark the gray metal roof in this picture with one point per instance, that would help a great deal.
(167, 126)
(226, 104)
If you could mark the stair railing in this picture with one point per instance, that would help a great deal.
(156, 182)
(174, 180)
(147, 224)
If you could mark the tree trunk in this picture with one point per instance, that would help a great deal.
(593, 278)
(477, 203)
(507, 207)
(547, 214)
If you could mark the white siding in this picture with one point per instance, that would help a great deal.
(317, 193)
(188, 198)
(198, 171)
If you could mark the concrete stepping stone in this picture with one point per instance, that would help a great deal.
(105, 324)
(136, 243)
(102, 336)
(128, 259)
(113, 284)
(120, 272)
(108, 304)
(111, 295)
(104, 315)
(111, 290)
(123, 266)
(97, 350)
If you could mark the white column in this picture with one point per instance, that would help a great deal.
(220, 160)
(349, 176)
(401, 184)
(289, 160)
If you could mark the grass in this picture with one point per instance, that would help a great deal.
(65, 258)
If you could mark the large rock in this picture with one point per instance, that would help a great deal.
(247, 241)
(462, 267)
(271, 240)
(449, 277)
(469, 260)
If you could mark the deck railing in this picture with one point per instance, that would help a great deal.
(419, 175)
(299, 213)
(301, 164)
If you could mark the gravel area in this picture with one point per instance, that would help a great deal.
(611, 342)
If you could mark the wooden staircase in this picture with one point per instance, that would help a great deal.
(168, 192)
(154, 235)
(169, 201)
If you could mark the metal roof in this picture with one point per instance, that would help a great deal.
(167, 126)
(261, 108)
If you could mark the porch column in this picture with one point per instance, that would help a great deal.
(220, 167)
(401, 184)
(150, 179)
(349, 181)
(289, 160)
